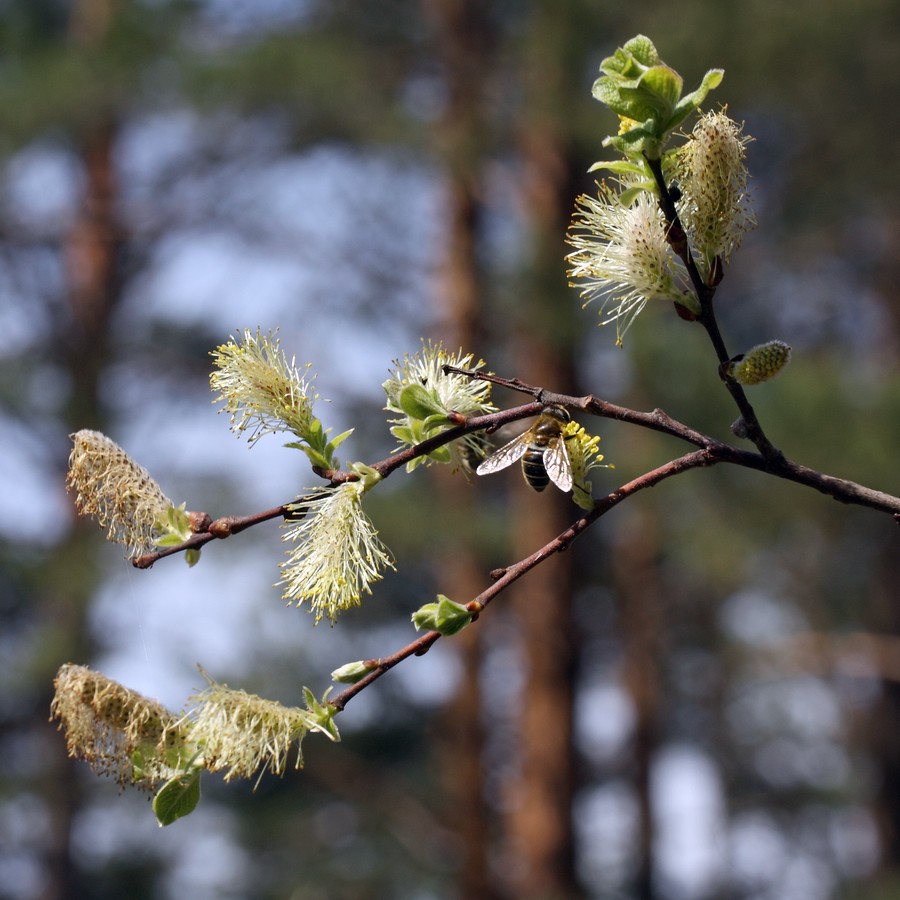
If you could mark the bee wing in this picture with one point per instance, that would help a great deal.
(505, 456)
(556, 462)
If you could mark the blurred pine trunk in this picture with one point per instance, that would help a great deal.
(463, 41)
(92, 288)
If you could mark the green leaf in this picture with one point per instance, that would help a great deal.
(175, 525)
(663, 86)
(335, 442)
(414, 464)
(636, 84)
(192, 556)
(642, 49)
(441, 455)
(178, 521)
(581, 494)
(323, 714)
(620, 167)
(631, 57)
(646, 93)
(177, 798)
(316, 457)
(629, 195)
(419, 403)
(315, 431)
(433, 424)
(637, 141)
(712, 79)
(404, 433)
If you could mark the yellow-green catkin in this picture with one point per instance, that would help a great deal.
(263, 391)
(714, 207)
(120, 494)
(760, 363)
(239, 733)
(336, 555)
(105, 723)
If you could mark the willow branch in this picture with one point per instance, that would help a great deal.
(208, 529)
(706, 292)
(503, 578)
(841, 489)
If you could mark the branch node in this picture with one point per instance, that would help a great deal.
(199, 522)
(221, 528)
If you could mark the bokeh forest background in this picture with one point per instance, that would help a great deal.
(700, 699)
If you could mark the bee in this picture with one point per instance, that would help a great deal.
(542, 450)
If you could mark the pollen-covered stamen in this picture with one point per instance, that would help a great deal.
(120, 494)
(714, 206)
(263, 391)
(106, 723)
(336, 555)
(622, 258)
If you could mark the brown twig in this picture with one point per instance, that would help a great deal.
(842, 490)
(208, 529)
(515, 571)
(705, 292)
(709, 452)
(212, 529)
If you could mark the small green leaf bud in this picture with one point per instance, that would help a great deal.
(443, 616)
(368, 477)
(350, 673)
(192, 556)
(322, 714)
(759, 364)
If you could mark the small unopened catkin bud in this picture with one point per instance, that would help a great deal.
(739, 428)
(760, 364)
(350, 673)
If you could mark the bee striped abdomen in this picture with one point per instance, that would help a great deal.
(533, 468)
